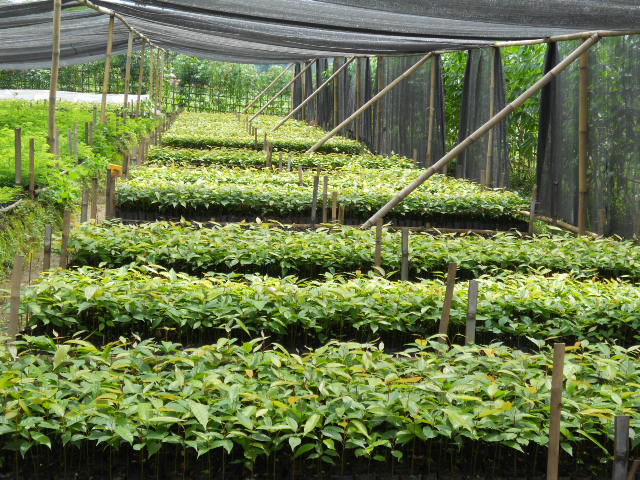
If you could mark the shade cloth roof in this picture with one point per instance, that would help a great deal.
(276, 31)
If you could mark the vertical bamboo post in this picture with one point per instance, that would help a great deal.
(94, 198)
(75, 141)
(334, 207)
(64, 247)
(280, 161)
(140, 76)
(448, 299)
(432, 110)
(314, 201)
(325, 197)
(583, 125)
(32, 168)
(300, 176)
(55, 67)
(86, 133)
(380, 81)
(13, 327)
(127, 71)
(18, 150)
(69, 142)
(358, 122)
(488, 180)
(303, 88)
(107, 70)
(555, 411)
(532, 211)
(414, 158)
(84, 210)
(621, 447)
(46, 257)
(404, 265)
(152, 74)
(472, 312)
(378, 250)
(108, 213)
(289, 162)
(341, 213)
(91, 124)
(95, 115)
(336, 92)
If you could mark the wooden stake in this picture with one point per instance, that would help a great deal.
(334, 207)
(621, 447)
(273, 82)
(108, 208)
(378, 259)
(140, 77)
(336, 92)
(69, 142)
(415, 158)
(314, 201)
(107, 70)
(501, 115)
(553, 458)
(13, 327)
(583, 143)
(279, 161)
(64, 247)
(46, 257)
(432, 109)
(404, 265)
(32, 168)
(84, 210)
(448, 299)
(18, 150)
(300, 177)
(94, 198)
(532, 210)
(55, 68)
(91, 134)
(75, 141)
(269, 156)
(325, 194)
(127, 71)
(289, 162)
(472, 311)
(602, 221)
(488, 179)
(341, 213)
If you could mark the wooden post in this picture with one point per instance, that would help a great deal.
(13, 327)
(279, 161)
(336, 92)
(415, 158)
(84, 210)
(152, 74)
(108, 214)
(334, 207)
(448, 299)
(46, 257)
(64, 247)
(300, 177)
(553, 458)
(264, 107)
(583, 143)
(140, 76)
(358, 98)
(18, 150)
(378, 258)
(325, 194)
(621, 447)
(313, 95)
(532, 210)
(32, 168)
(94, 198)
(95, 114)
(127, 71)
(404, 265)
(303, 90)
(289, 162)
(69, 142)
(341, 213)
(602, 221)
(107, 70)
(373, 100)
(633, 469)
(55, 68)
(472, 312)
(91, 124)
(75, 141)
(432, 110)
(273, 82)
(501, 115)
(380, 81)
(314, 201)
(269, 156)
(488, 179)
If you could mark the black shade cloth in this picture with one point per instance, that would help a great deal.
(484, 84)
(613, 163)
(276, 31)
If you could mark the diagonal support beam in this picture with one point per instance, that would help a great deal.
(264, 107)
(259, 96)
(373, 100)
(314, 94)
(475, 136)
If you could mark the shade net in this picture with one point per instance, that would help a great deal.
(278, 31)
(487, 160)
(613, 163)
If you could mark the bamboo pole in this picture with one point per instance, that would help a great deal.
(303, 90)
(378, 257)
(583, 126)
(621, 447)
(273, 82)
(55, 68)
(127, 72)
(107, 70)
(64, 247)
(313, 95)
(32, 168)
(140, 77)
(432, 109)
(152, 73)
(532, 211)
(475, 136)
(472, 312)
(373, 100)
(488, 179)
(325, 198)
(556, 411)
(358, 124)
(46, 257)
(334, 207)
(264, 107)
(94, 198)
(404, 255)
(18, 155)
(314, 201)
(448, 300)
(13, 326)
(380, 81)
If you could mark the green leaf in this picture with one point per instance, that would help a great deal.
(61, 355)
(311, 423)
(201, 412)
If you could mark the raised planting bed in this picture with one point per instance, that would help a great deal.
(231, 410)
(250, 158)
(278, 251)
(207, 130)
(227, 194)
(151, 302)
